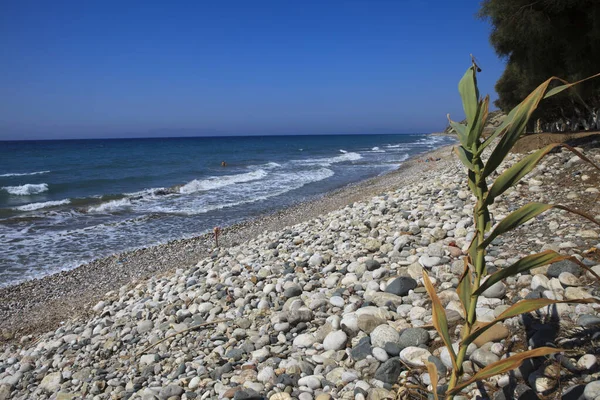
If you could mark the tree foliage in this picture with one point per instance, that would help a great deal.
(546, 38)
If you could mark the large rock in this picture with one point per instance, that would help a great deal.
(496, 291)
(413, 337)
(336, 340)
(592, 390)
(555, 269)
(389, 371)
(51, 382)
(367, 323)
(415, 356)
(401, 286)
(483, 358)
(384, 334)
(383, 299)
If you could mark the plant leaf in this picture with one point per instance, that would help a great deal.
(515, 127)
(460, 129)
(465, 156)
(465, 287)
(567, 85)
(469, 93)
(512, 175)
(433, 376)
(439, 320)
(519, 308)
(504, 365)
(524, 214)
(476, 129)
(524, 264)
(515, 219)
(499, 130)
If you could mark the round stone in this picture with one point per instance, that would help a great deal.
(592, 390)
(380, 354)
(384, 334)
(335, 340)
(415, 356)
(337, 301)
(401, 286)
(568, 279)
(413, 337)
(496, 291)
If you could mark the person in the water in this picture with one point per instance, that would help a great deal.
(223, 164)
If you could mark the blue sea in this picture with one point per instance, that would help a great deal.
(66, 202)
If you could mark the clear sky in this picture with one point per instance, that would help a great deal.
(125, 68)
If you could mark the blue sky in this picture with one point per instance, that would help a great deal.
(125, 68)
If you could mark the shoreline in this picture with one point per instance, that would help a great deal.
(36, 306)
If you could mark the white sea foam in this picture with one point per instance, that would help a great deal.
(111, 206)
(45, 204)
(272, 165)
(24, 173)
(27, 189)
(326, 162)
(236, 195)
(377, 150)
(216, 182)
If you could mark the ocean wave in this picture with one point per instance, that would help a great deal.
(27, 189)
(377, 150)
(111, 206)
(272, 165)
(216, 182)
(45, 204)
(24, 173)
(326, 162)
(236, 195)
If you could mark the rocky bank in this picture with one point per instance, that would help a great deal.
(335, 307)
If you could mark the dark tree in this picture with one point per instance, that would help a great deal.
(544, 38)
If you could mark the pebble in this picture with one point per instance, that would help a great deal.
(335, 340)
(328, 308)
(415, 356)
(592, 390)
(384, 334)
(401, 286)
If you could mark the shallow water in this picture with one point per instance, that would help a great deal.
(63, 203)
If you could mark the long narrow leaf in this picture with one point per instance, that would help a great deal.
(470, 95)
(567, 85)
(465, 287)
(503, 366)
(512, 175)
(515, 219)
(519, 308)
(461, 131)
(524, 264)
(524, 214)
(500, 130)
(515, 128)
(465, 156)
(440, 323)
(476, 129)
(433, 376)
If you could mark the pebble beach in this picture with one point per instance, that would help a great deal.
(323, 300)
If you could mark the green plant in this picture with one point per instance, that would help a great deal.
(473, 281)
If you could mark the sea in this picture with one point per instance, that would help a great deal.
(67, 202)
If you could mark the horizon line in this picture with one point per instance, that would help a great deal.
(211, 136)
